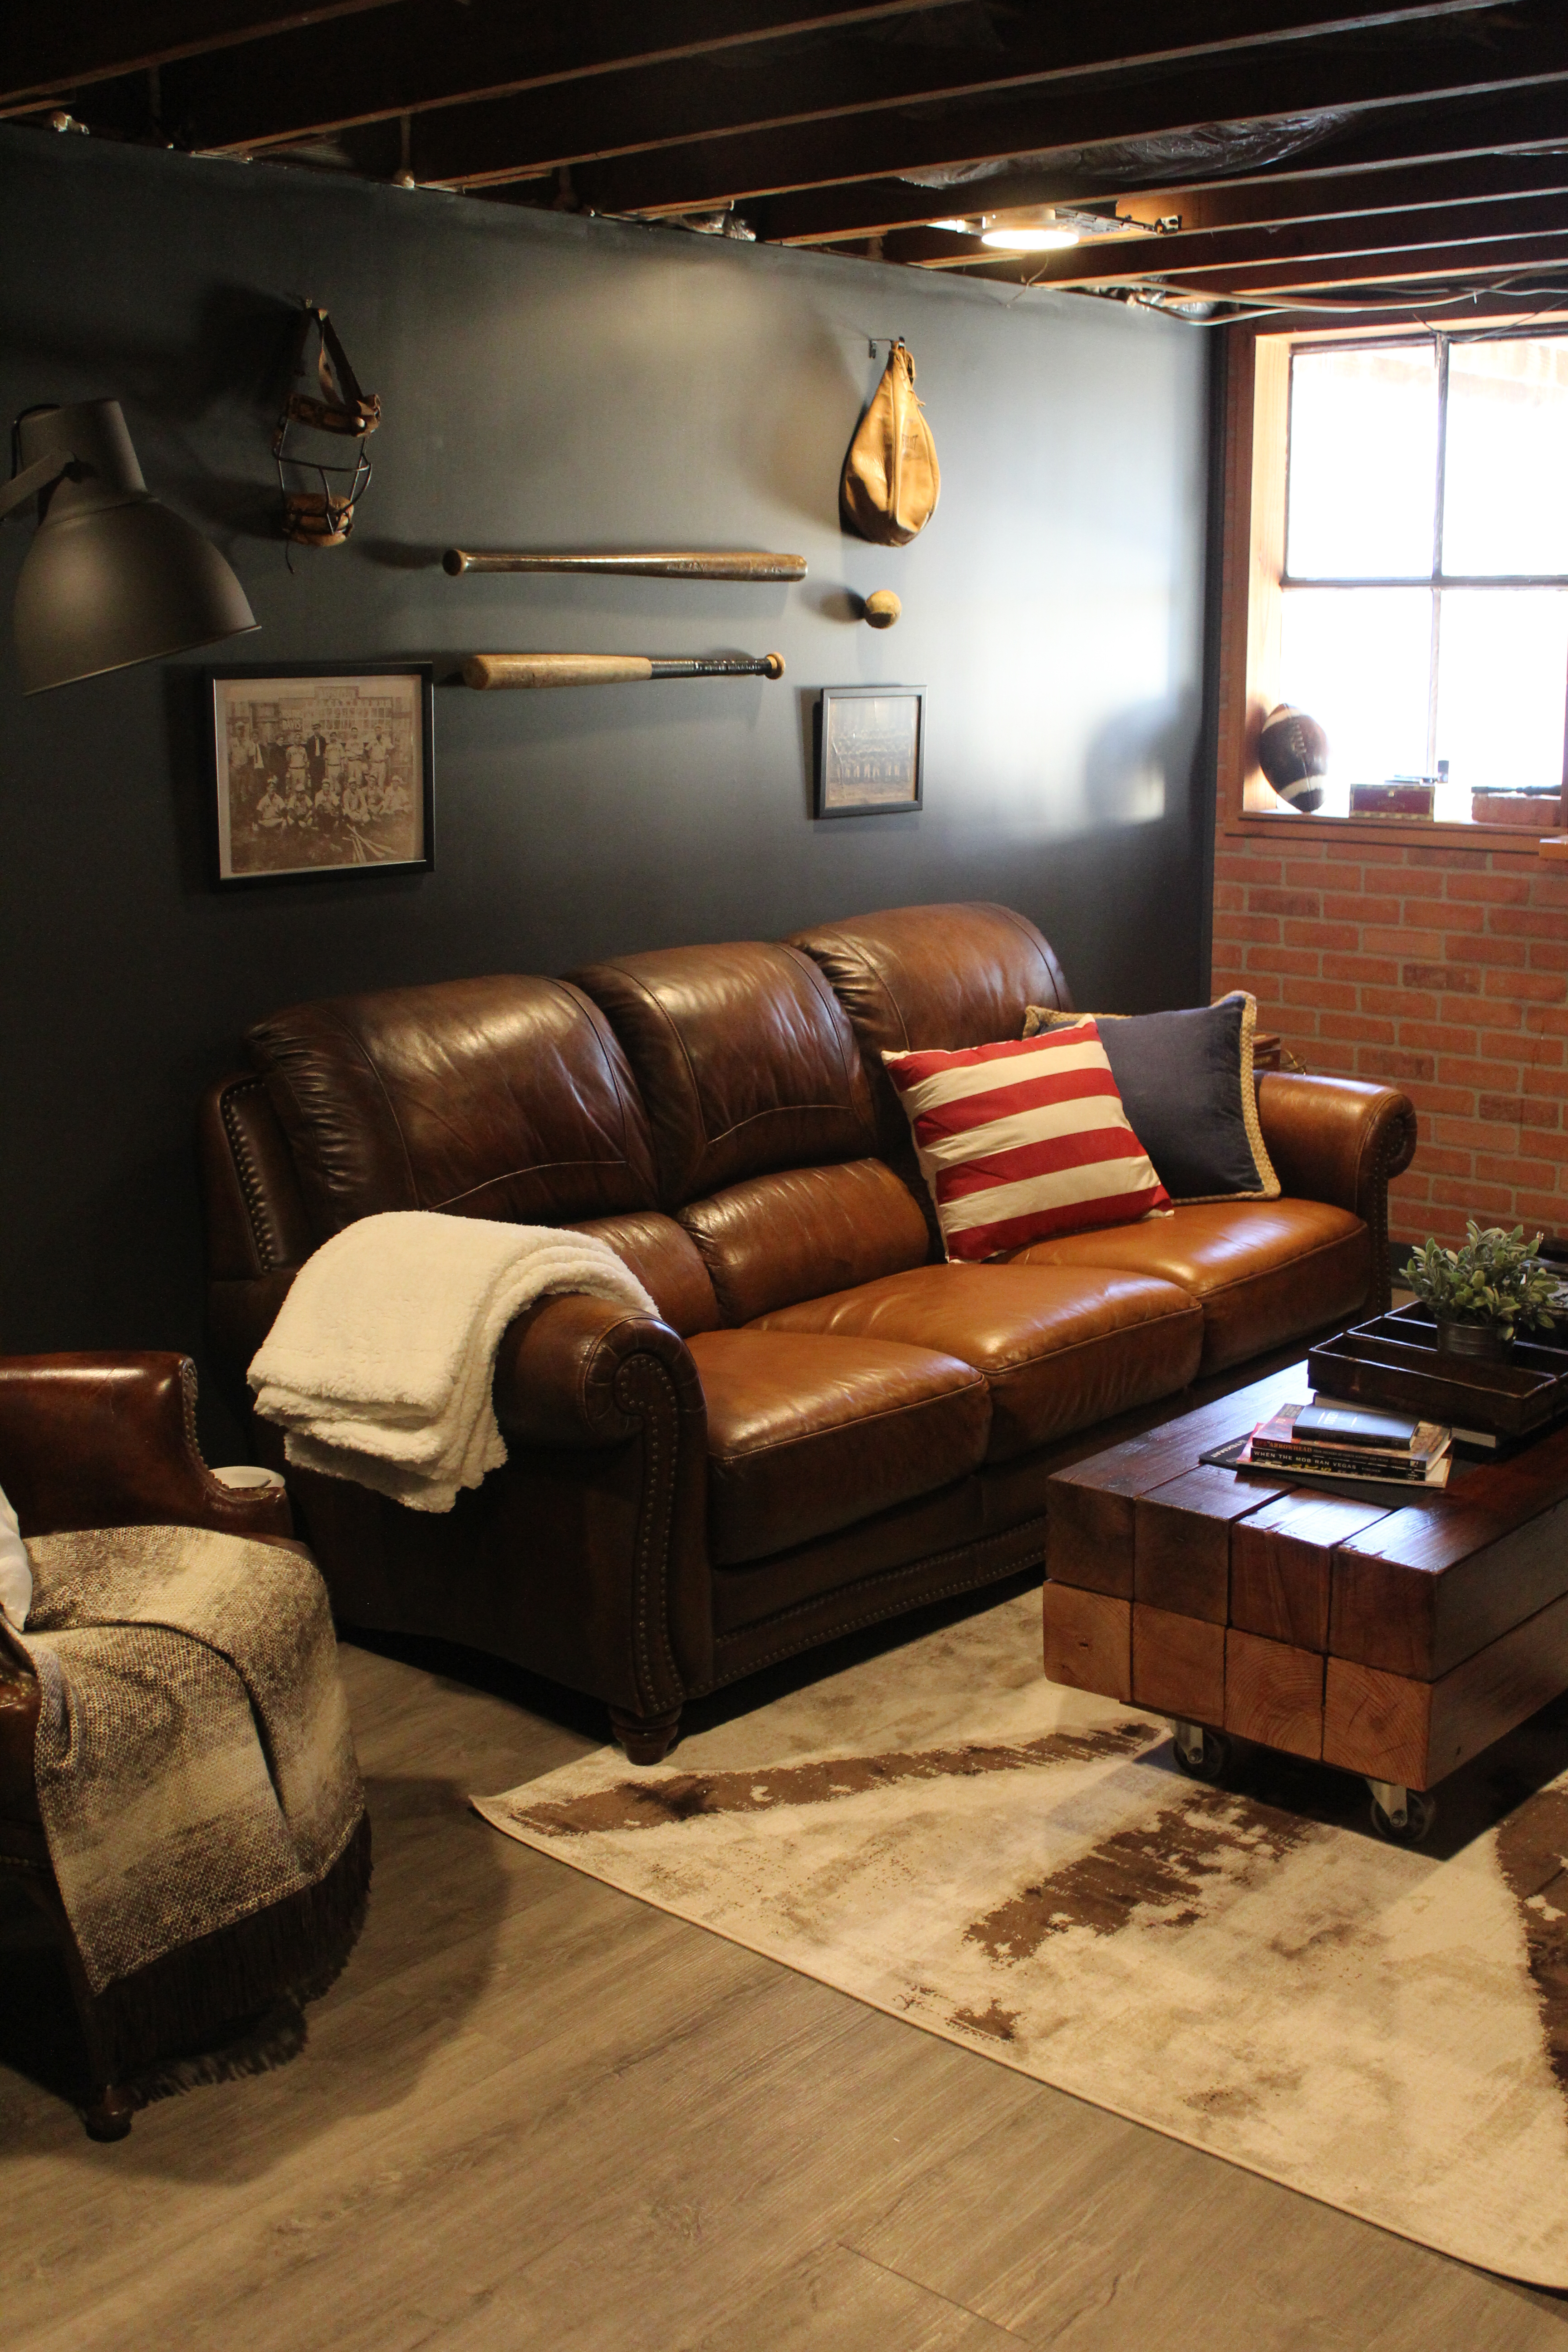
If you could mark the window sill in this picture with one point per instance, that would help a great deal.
(1412, 832)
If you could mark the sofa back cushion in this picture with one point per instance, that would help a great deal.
(917, 976)
(804, 1233)
(744, 1058)
(667, 1264)
(505, 1097)
(943, 977)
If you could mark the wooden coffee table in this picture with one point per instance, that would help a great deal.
(1396, 1642)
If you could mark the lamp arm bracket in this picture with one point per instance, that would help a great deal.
(39, 475)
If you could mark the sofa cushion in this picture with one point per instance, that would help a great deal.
(1060, 1348)
(505, 1097)
(745, 1060)
(665, 1260)
(1023, 1139)
(1186, 1080)
(804, 1231)
(1264, 1272)
(808, 1434)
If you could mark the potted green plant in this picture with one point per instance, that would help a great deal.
(1485, 1293)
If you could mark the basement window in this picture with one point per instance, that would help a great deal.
(1408, 581)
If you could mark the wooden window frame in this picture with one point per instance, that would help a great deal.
(1257, 394)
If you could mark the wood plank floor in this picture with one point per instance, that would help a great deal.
(534, 2113)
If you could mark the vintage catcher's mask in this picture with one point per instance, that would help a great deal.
(325, 515)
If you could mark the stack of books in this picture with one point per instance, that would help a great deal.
(1342, 1442)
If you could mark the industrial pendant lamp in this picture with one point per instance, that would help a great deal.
(113, 577)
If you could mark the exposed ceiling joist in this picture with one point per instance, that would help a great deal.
(1473, 180)
(1209, 252)
(1281, 146)
(45, 51)
(1508, 258)
(855, 65)
(444, 55)
(1453, 58)
(1413, 187)
(1512, 122)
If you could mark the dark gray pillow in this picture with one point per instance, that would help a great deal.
(1186, 1080)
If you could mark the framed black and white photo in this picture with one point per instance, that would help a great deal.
(321, 769)
(870, 750)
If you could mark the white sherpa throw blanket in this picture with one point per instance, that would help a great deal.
(380, 1364)
(194, 1759)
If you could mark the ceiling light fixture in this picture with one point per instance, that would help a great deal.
(1037, 231)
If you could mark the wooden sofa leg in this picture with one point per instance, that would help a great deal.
(647, 1738)
(110, 2113)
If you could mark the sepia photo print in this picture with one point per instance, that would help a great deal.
(322, 771)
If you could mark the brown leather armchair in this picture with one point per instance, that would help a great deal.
(99, 1440)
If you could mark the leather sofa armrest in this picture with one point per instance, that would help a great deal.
(103, 1441)
(563, 1373)
(1340, 1140)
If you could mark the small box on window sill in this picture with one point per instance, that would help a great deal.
(1410, 797)
(1529, 812)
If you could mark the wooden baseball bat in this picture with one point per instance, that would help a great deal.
(746, 563)
(610, 669)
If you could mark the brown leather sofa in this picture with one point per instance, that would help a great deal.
(828, 1424)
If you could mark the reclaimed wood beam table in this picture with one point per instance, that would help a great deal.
(1396, 1641)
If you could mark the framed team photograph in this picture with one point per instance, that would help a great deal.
(321, 769)
(870, 750)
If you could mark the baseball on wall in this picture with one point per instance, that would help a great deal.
(1293, 753)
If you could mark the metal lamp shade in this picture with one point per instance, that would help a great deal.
(113, 577)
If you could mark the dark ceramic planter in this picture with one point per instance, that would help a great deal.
(1479, 1343)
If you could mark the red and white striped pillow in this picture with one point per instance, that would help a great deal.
(1020, 1141)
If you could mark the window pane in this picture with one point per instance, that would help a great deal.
(1505, 506)
(1502, 665)
(1358, 659)
(1363, 463)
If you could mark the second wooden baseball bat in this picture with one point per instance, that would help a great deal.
(611, 669)
(742, 563)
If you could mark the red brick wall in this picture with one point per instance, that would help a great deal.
(1441, 971)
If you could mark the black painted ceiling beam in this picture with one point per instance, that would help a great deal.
(448, 56)
(1495, 264)
(1099, 262)
(47, 50)
(1328, 202)
(1346, 76)
(1414, 187)
(1432, 135)
(1504, 257)
(1513, 48)
(871, 68)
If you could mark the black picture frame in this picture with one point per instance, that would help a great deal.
(870, 763)
(301, 789)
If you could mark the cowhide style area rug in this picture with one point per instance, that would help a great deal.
(942, 1833)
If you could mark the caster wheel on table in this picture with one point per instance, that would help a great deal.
(1420, 1813)
(1200, 1753)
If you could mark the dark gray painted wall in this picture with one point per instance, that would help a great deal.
(546, 380)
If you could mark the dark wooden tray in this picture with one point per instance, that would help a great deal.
(1393, 1361)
